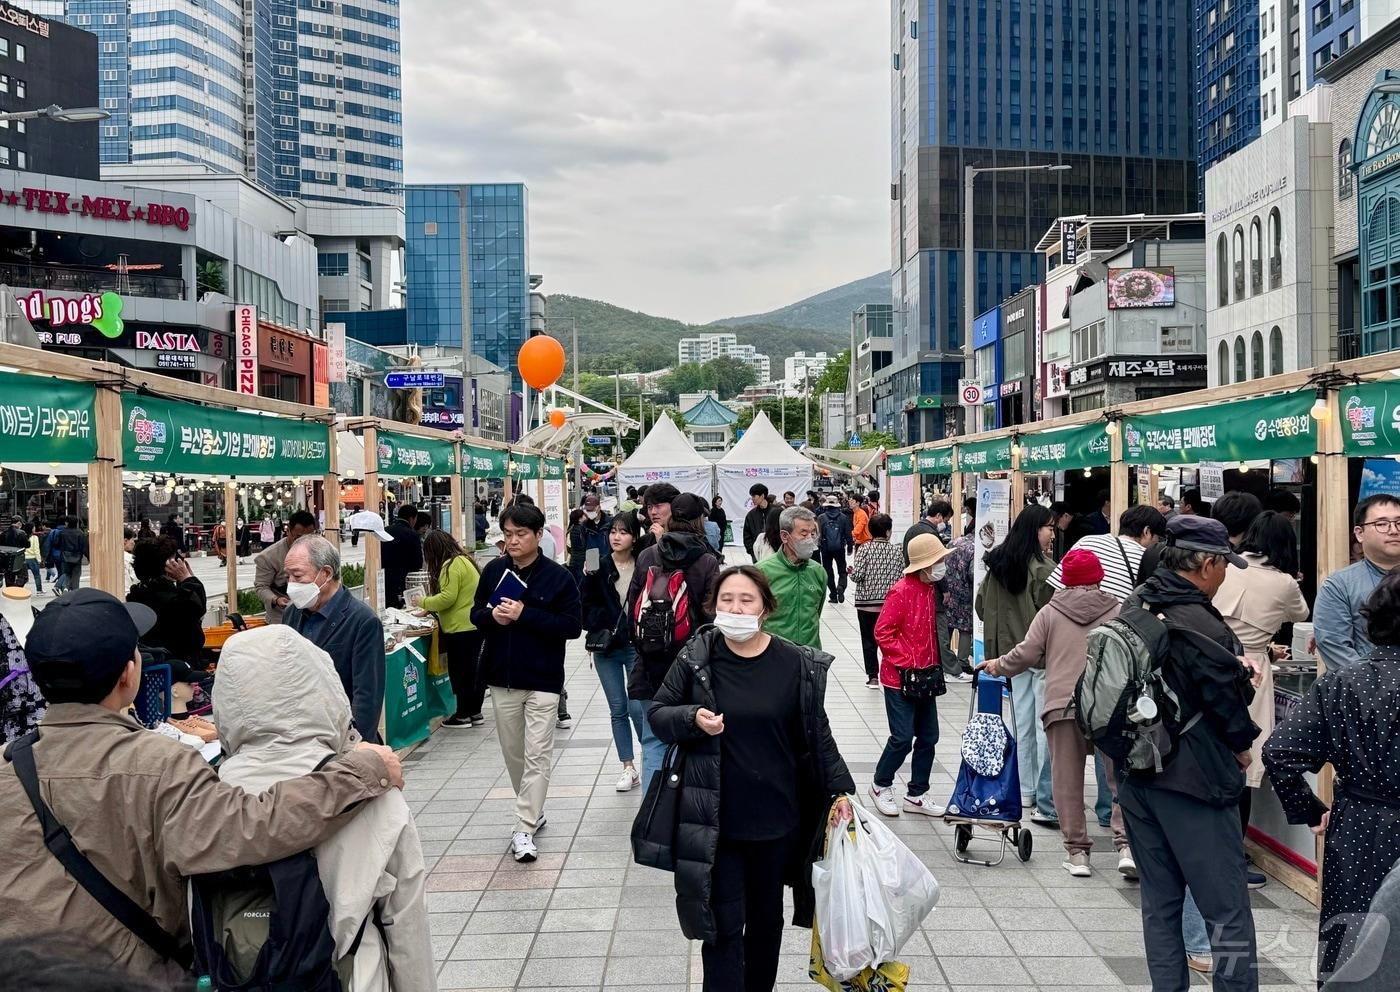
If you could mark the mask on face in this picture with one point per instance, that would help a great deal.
(803, 550)
(591, 514)
(302, 594)
(737, 626)
(964, 521)
(935, 573)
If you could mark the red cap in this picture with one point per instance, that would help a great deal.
(1081, 568)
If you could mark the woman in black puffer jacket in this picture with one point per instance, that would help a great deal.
(761, 771)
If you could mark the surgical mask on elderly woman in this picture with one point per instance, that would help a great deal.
(935, 573)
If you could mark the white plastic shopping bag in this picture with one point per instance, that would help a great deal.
(899, 889)
(841, 905)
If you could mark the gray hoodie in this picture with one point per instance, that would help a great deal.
(280, 710)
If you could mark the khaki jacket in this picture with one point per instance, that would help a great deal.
(148, 812)
(270, 578)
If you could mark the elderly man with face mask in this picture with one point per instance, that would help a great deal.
(798, 584)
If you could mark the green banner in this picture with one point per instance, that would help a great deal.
(187, 439)
(1268, 427)
(484, 463)
(554, 468)
(46, 420)
(406, 456)
(1062, 451)
(985, 456)
(407, 694)
(900, 464)
(526, 466)
(936, 462)
(1371, 419)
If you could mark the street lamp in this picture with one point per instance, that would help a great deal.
(970, 174)
(53, 112)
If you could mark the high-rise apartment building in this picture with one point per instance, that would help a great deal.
(301, 96)
(707, 347)
(1335, 27)
(1282, 76)
(1101, 86)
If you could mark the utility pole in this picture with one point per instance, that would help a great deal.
(806, 403)
(578, 438)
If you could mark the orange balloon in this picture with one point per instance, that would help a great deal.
(558, 418)
(541, 361)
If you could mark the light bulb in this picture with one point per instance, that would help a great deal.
(179, 490)
(1320, 409)
(170, 484)
(1088, 473)
(1111, 428)
(53, 464)
(296, 480)
(52, 480)
(1158, 468)
(1244, 466)
(1313, 459)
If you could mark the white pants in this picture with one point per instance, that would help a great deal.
(525, 725)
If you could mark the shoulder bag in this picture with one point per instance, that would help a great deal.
(654, 829)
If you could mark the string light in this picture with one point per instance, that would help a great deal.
(1111, 428)
(1313, 459)
(1320, 410)
(1088, 473)
(52, 479)
(1244, 466)
(1158, 468)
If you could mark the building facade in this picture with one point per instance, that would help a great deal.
(1283, 75)
(43, 63)
(872, 327)
(1270, 282)
(1103, 87)
(1016, 387)
(1227, 80)
(301, 97)
(801, 370)
(986, 334)
(707, 347)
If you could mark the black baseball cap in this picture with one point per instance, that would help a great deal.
(80, 643)
(1203, 534)
(688, 506)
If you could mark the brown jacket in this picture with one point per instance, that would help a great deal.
(149, 812)
(1057, 641)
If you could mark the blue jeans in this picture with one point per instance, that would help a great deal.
(612, 667)
(913, 725)
(33, 565)
(1103, 806)
(653, 751)
(1032, 750)
(1193, 928)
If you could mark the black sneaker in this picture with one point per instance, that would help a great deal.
(1255, 879)
(457, 721)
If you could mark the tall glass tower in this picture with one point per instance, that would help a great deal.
(1102, 86)
(301, 96)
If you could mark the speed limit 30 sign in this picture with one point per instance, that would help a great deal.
(969, 392)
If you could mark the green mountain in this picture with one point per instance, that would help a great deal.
(830, 311)
(613, 339)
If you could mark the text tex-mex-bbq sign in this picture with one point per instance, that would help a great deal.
(111, 208)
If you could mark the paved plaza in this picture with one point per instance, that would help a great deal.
(584, 917)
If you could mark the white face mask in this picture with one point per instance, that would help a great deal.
(804, 549)
(936, 572)
(303, 594)
(737, 626)
(591, 514)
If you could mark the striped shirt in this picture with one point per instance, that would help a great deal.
(1119, 576)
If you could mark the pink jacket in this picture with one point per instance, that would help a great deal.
(906, 630)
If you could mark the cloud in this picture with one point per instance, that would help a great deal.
(692, 160)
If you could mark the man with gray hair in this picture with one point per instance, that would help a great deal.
(798, 585)
(325, 613)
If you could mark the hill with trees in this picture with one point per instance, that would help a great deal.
(828, 311)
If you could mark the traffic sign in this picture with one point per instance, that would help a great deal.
(415, 380)
(969, 392)
(854, 442)
(600, 439)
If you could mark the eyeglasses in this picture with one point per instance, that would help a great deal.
(1389, 525)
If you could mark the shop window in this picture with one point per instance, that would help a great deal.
(1344, 170)
(1222, 363)
(1256, 257)
(1275, 249)
(1276, 351)
(1239, 359)
(1238, 260)
(1222, 270)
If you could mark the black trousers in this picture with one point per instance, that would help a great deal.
(746, 896)
(1179, 842)
(868, 648)
(835, 581)
(464, 669)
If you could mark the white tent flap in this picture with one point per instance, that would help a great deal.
(666, 456)
(760, 456)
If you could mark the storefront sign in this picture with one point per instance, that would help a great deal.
(279, 350)
(46, 420)
(1380, 164)
(484, 463)
(106, 208)
(186, 362)
(1069, 242)
(335, 342)
(985, 456)
(103, 312)
(1268, 427)
(1056, 380)
(404, 456)
(936, 462)
(900, 464)
(24, 19)
(245, 336)
(1133, 289)
(1249, 202)
(1011, 388)
(553, 469)
(320, 376)
(1371, 419)
(1066, 450)
(184, 438)
(1144, 367)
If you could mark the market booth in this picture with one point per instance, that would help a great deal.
(666, 455)
(761, 455)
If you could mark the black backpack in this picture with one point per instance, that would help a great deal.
(832, 538)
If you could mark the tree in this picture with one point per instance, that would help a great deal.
(210, 278)
(873, 439)
(774, 408)
(833, 380)
(728, 376)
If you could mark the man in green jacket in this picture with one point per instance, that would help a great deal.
(798, 584)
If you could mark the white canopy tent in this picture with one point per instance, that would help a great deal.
(761, 455)
(666, 456)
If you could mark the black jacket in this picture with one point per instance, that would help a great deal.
(400, 556)
(14, 537)
(70, 541)
(834, 529)
(755, 522)
(603, 609)
(529, 653)
(685, 552)
(179, 609)
(1205, 672)
(354, 638)
(822, 775)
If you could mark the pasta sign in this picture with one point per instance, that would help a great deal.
(245, 332)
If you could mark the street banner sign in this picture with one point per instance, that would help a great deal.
(415, 380)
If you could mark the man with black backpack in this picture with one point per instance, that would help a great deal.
(1180, 800)
(836, 540)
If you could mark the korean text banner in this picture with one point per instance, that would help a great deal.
(526, 467)
(900, 464)
(187, 439)
(939, 462)
(1063, 451)
(46, 420)
(1268, 427)
(985, 456)
(484, 463)
(402, 455)
(554, 468)
(1371, 419)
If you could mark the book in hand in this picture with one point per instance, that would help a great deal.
(511, 586)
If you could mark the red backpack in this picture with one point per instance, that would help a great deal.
(662, 620)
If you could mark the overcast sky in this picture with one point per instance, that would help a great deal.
(693, 160)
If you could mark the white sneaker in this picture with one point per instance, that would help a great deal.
(522, 847)
(913, 805)
(629, 780)
(961, 677)
(1127, 867)
(1077, 864)
(563, 723)
(884, 800)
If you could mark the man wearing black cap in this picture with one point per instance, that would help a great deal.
(1183, 822)
(144, 812)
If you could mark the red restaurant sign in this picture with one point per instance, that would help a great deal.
(245, 334)
(50, 201)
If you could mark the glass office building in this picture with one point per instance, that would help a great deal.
(301, 96)
(1229, 112)
(1102, 86)
(467, 264)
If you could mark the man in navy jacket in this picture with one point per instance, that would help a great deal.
(522, 659)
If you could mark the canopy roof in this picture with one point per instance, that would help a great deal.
(762, 445)
(709, 412)
(665, 447)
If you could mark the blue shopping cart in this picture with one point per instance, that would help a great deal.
(988, 791)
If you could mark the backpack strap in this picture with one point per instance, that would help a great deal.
(60, 844)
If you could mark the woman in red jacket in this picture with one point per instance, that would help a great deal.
(905, 633)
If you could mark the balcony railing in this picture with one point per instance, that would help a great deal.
(71, 279)
(1348, 345)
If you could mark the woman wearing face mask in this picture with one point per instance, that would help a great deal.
(452, 581)
(761, 771)
(906, 633)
